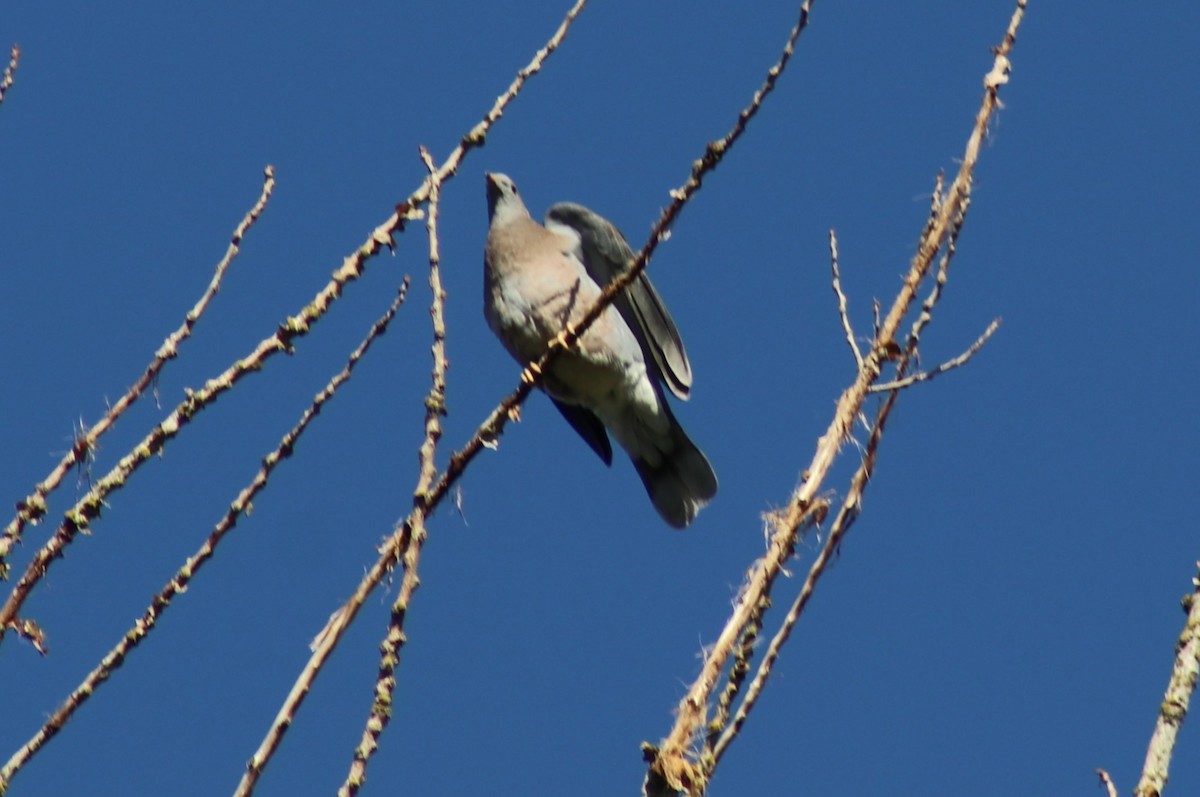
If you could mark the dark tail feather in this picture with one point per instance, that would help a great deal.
(682, 483)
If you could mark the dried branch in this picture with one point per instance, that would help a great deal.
(491, 428)
(1107, 781)
(187, 572)
(88, 508)
(713, 154)
(352, 268)
(1184, 675)
(935, 202)
(34, 507)
(949, 365)
(912, 346)
(79, 517)
(435, 407)
(847, 514)
(671, 769)
(737, 676)
(402, 538)
(6, 80)
(842, 303)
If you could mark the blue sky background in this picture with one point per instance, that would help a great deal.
(1000, 621)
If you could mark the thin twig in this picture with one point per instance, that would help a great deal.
(949, 365)
(671, 767)
(912, 346)
(713, 154)
(845, 518)
(187, 572)
(398, 545)
(935, 201)
(435, 407)
(943, 273)
(79, 517)
(852, 504)
(6, 80)
(1107, 781)
(352, 268)
(34, 507)
(841, 297)
(492, 426)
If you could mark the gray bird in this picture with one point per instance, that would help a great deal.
(536, 280)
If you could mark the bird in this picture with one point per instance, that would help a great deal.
(537, 279)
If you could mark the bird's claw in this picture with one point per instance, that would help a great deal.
(560, 341)
(531, 374)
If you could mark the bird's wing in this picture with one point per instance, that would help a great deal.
(605, 254)
(589, 427)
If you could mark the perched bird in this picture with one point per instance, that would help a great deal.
(536, 280)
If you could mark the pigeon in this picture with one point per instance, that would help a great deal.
(537, 279)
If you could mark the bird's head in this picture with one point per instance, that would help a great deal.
(502, 197)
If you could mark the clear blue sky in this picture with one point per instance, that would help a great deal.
(1000, 621)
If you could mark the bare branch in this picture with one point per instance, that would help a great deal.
(841, 297)
(435, 407)
(395, 549)
(1184, 675)
(847, 514)
(352, 268)
(737, 676)
(935, 202)
(713, 154)
(401, 541)
(34, 507)
(6, 80)
(187, 572)
(1107, 781)
(949, 365)
(79, 517)
(670, 768)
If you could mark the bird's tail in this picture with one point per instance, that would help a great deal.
(682, 481)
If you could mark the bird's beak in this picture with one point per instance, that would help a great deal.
(493, 191)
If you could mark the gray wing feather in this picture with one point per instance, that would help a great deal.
(606, 254)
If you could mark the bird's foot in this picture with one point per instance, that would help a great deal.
(531, 374)
(560, 340)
